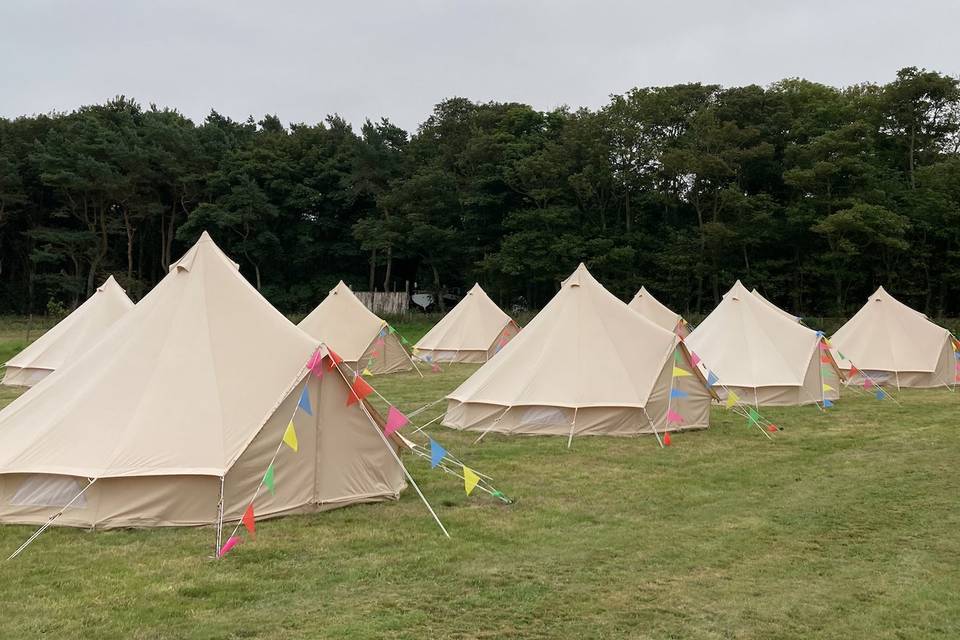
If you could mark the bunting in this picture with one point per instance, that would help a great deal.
(827, 388)
(335, 359)
(268, 480)
(712, 378)
(304, 402)
(827, 403)
(315, 364)
(435, 368)
(679, 373)
(436, 453)
(753, 416)
(666, 439)
(249, 521)
(359, 390)
(678, 393)
(231, 542)
(673, 417)
(825, 358)
(290, 437)
(395, 421)
(868, 383)
(772, 428)
(366, 372)
(732, 399)
(879, 394)
(694, 359)
(853, 370)
(470, 479)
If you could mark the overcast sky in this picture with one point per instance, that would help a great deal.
(397, 58)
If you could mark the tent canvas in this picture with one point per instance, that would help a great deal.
(585, 365)
(358, 335)
(785, 314)
(186, 401)
(658, 313)
(473, 331)
(895, 344)
(71, 336)
(762, 355)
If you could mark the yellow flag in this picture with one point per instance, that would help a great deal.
(366, 372)
(470, 479)
(732, 399)
(827, 387)
(679, 373)
(290, 436)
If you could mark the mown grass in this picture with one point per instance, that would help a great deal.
(845, 527)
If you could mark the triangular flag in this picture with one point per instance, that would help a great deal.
(383, 332)
(374, 354)
(314, 360)
(334, 359)
(694, 359)
(826, 370)
(868, 383)
(842, 357)
(879, 395)
(678, 393)
(470, 479)
(712, 378)
(366, 372)
(379, 342)
(679, 373)
(771, 427)
(268, 480)
(853, 370)
(404, 340)
(435, 368)
(673, 417)
(824, 359)
(956, 355)
(359, 390)
(305, 402)
(290, 436)
(395, 420)
(666, 439)
(827, 403)
(436, 453)
(827, 387)
(677, 358)
(732, 399)
(391, 329)
(823, 345)
(249, 521)
(231, 542)
(753, 416)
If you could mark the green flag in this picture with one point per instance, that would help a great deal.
(392, 330)
(268, 480)
(753, 415)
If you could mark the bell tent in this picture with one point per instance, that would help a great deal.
(785, 314)
(473, 331)
(70, 337)
(658, 313)
(585, 365)
(363, 339)
(894, 344)
(178, 415)
(762, 355)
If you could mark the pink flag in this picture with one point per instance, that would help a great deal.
(315, 364)
(674, 417)
(867, 383)
(694, 359)
(229, 544)
(395, 421)
(379, 342)
(823, 346)
(435, 368)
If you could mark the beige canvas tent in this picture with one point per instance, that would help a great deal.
(763, 356)
(785, 314)
(892, 343)
(72, 336)
(473, 331)
(658, 313)
(364, 340)
(186, 400)
(585, 365)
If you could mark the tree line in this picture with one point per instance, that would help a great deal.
(813, 194)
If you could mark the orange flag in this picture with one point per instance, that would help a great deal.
(249, 521)
(666, 439)
(334, 359)
(359, 390)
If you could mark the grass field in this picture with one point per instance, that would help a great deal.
(845, 527)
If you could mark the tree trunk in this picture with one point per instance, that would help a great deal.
(386, 276)
(436, 288)
(130, 234)
(373, 269)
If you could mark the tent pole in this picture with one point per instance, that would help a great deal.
(653, 427)
(49, 522)
(572, 427)
(419, 429)
(216, 551)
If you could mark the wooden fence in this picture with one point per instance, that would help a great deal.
(385, 302)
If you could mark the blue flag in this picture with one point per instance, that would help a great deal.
(677, 393)
(712, 378)
(827, 403)
(879, 394)
(305, 402)
(956, 354)
(436, 453)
